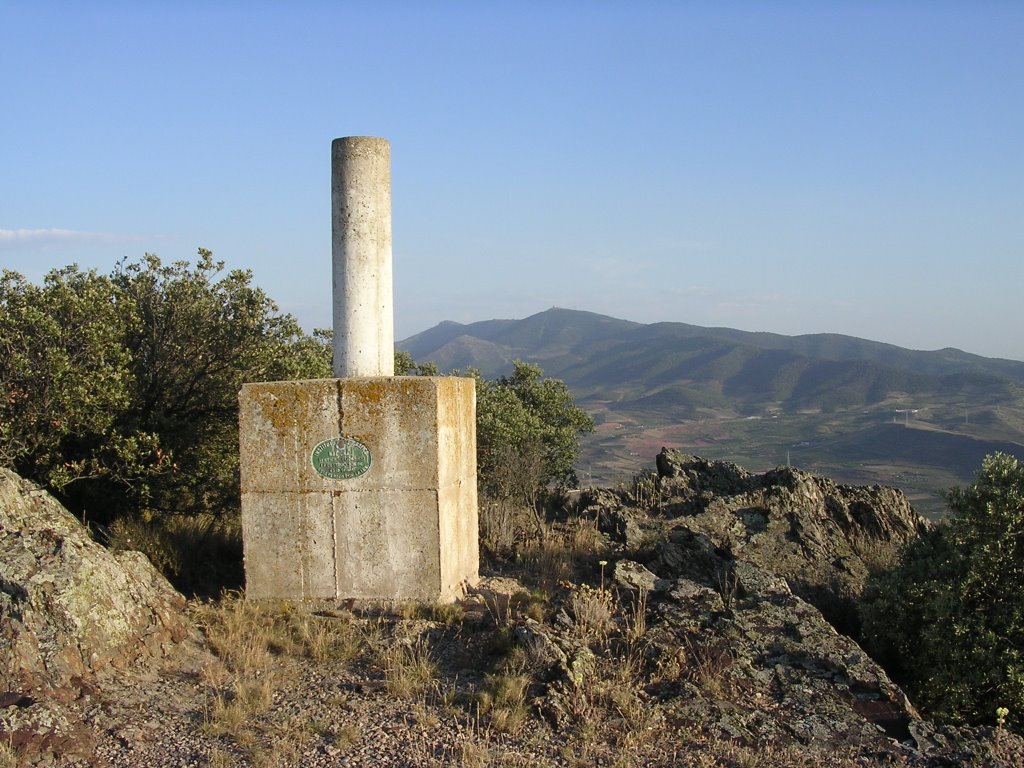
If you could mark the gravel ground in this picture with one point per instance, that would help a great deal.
(320, 714)
(317, 718)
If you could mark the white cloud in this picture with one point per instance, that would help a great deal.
(46, 238)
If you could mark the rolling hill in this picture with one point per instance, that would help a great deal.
(599, 355)
(830, 391)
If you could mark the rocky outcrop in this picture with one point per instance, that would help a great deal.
(747, 661)
(751, 583)
(70, 610)
(823, 538)
(760, 664)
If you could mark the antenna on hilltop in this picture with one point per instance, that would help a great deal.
(906, 413)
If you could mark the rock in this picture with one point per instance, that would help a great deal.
(618, 523)
(70, 610)
(613, 517)
(823, 538)
(765, 665)
(633, 575)
(751, 609)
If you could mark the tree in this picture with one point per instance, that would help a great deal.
(527, 434)
(406, 366)
(949, 620)
(194, 338)
(120, 393)
(65, 380)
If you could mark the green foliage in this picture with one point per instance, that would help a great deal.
(527, 432)
(120, 393)
(406, 366)
(195, 338)
(65, 379)
(949, 620)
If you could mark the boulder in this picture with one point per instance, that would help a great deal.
(71, 611)
(765, 666)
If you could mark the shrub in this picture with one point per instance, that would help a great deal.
(949, 620)
(119, 393)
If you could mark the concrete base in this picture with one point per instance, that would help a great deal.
(359, 487)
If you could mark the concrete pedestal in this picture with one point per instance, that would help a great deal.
(359, 487)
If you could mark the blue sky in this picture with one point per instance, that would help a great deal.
(795, 167)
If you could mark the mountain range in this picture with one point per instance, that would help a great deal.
(822, 391)
(595, 354)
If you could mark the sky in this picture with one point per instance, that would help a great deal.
(795, 167)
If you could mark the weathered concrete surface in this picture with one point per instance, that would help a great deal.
(406, 528)
(364, 335)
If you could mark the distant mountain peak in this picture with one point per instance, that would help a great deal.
(626, 360)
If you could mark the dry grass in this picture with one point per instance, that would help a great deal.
(609, 718)
(502, 699)
(504, 525)
(407, 666)
(568, 553)
(326, 638)
(246, 635)
(447, 614)
(201, 555)
(634, 617)
(9, 757)
(249, 639)
(220, 758)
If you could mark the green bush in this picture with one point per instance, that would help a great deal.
(948, 621)
(119, 393)
(527, 432)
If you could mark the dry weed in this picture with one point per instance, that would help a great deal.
(199, 554)
(247, 697)
(503, 701)
(551, 562)
(707, 664)
(584, 538)
(8, 755)
(504, 525)
(221, 759)
(635, 618)
(408, 668)
(241, 632)
(279, 754)
(593, 611)
(442, 613)
(473, 754)
(340, 735)
(326, 639)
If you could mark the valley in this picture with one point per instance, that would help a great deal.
(922, 454)
(858, 411)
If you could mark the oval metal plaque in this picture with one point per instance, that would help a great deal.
(340, 458)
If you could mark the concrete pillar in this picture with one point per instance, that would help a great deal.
(364, 485)
(364, 331)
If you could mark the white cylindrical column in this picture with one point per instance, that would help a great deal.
(364, 324)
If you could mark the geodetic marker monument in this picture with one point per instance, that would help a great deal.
(361, 486)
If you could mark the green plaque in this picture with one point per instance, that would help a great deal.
(340, 458)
